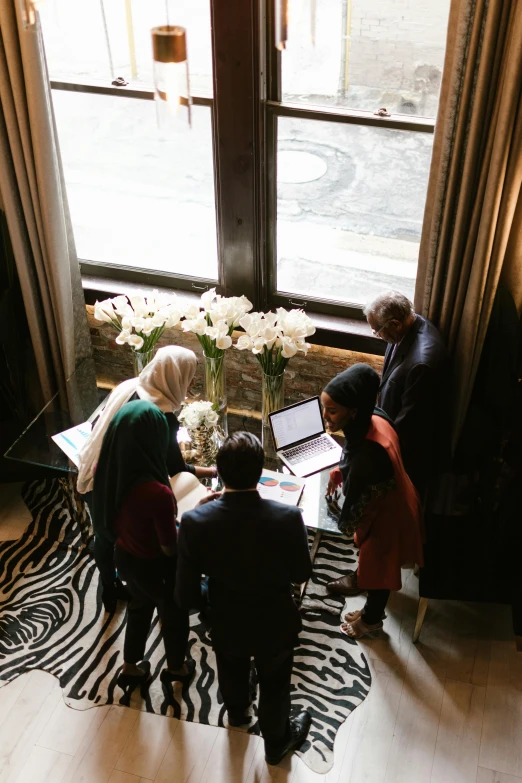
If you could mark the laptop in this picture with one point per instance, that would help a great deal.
(300, 438)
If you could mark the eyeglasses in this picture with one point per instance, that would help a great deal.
(378, 332)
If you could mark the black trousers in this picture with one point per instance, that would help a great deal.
(103, 552)
(375, 606)
(151, 585)
(273, 674)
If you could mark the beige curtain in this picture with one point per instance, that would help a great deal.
(32, 194)
(472, 227)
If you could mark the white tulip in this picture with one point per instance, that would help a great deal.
(139, 305)
(259, 344)
(191, 312)
(136, 341)
(120, 304)
(244, 343)
(173, 319)
(223, 342)
(138, 324)
(289, 349)
(123, 337)
(126, 323)
(207, 298)
(103, 311)
(158, 320)
(199, 325)
(271, 318)
(148, 327)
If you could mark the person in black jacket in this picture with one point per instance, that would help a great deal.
(413, 389)
(251, 550)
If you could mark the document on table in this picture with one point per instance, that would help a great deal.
(71, 441)
(282, 487)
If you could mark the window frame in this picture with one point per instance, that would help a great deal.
(244, 133)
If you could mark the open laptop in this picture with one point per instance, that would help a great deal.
(300, 438)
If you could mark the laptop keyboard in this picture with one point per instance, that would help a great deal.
(307, 450)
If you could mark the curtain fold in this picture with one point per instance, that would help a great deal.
(32, 192)
(474, 191)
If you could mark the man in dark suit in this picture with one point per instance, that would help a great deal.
(412, 390)
(251, 550)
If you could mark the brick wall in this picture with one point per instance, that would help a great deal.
(305, 376)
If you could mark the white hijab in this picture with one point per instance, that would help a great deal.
(164, 382)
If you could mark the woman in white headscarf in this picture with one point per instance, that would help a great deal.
(164, 382)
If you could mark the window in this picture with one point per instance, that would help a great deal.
(304, 177)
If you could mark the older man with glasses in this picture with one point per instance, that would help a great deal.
(413, 384)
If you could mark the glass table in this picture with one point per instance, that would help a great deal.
(80, 400)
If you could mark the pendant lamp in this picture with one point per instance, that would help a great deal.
(171, 74)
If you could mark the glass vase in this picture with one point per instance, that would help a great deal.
(272, 399)
(215, 386)
(141, 359)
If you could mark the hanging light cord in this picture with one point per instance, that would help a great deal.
(167, 12)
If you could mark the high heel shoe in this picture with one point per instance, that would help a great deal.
(131, 681)
(167, 677)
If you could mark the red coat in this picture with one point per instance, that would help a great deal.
(389, 534)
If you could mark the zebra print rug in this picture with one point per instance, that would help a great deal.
(52, 618)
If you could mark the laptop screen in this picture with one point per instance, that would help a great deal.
(297, 422)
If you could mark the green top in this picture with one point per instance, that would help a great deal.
(134, 450)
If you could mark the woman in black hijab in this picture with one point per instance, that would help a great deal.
(380, 506)
(133, 504)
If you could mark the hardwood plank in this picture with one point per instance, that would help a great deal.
(415, 736)
(491, 776)
(501, 745)
(67, 728)
(9, 694)
(458, 739)
(369, 746)
(147, 744)
(231, 757)
(187, 753)
(124, 777)
(103, 743)
(27, 719)
(44, 766)
(261, 772)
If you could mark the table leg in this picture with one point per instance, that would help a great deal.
(313, 552)
(421, 614)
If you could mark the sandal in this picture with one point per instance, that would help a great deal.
(358, 629)
(351, 617)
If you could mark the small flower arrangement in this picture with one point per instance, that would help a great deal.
(214, 320)
(198, 414)
(201, 420)
(275, 337)
(140, 319)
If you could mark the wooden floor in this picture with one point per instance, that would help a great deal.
(448, 710)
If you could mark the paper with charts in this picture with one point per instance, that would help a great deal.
(72, 441)
(282, 487)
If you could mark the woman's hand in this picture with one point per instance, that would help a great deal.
(335, 481)
(211, 496)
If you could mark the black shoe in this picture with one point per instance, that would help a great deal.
(299, 728)
(131, 681)
(168, 677)
(238, 718)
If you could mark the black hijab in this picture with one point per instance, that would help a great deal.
(134, 450)
(357, 387)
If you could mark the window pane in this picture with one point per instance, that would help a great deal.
(137, 200)
(350, 202)
(367, 54)
(99, 39)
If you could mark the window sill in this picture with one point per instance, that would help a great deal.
(348, 334)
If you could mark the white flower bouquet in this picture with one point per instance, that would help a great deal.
(140, 319)
(274, 338)
(201, 420)
(213, 322)
(198, 414)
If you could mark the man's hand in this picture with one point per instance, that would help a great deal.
(211, 496)
(335, 481)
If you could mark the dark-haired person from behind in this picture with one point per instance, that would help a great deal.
(252, 550)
